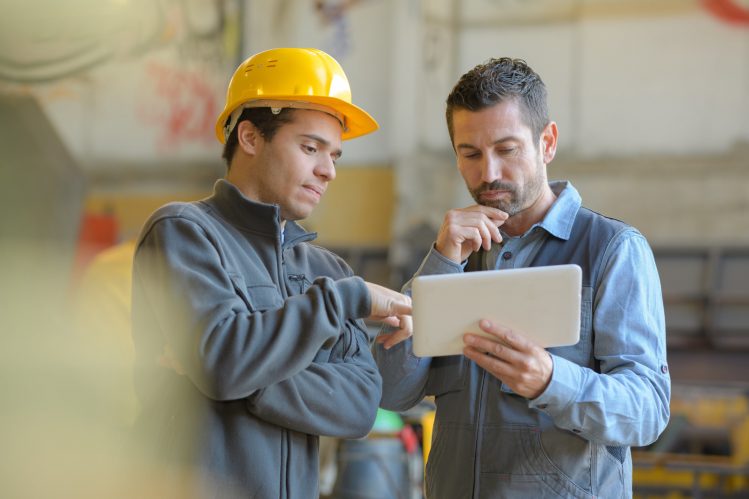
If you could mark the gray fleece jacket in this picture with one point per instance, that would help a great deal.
(247, 349)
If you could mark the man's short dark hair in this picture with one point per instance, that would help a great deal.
(264, 120)
(498, 80)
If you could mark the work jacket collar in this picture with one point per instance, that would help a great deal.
(254, 216)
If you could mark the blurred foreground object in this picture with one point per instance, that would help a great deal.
(103, 323)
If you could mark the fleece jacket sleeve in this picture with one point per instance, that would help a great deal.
(228, 350)
(337, 395)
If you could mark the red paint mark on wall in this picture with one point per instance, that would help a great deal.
(731, 11)
(181, 103)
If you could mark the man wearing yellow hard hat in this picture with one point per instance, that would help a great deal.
(249, 339)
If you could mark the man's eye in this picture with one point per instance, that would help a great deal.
(309, 149)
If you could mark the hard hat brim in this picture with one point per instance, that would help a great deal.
(357, 121)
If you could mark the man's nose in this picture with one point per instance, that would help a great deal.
(326, 169)
(491, 169)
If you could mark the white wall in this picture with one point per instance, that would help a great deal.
(668, 85)
(550, 49)
(672, 82)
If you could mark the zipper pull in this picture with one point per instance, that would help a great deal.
(299, 279)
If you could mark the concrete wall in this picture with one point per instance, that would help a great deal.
(673, 200)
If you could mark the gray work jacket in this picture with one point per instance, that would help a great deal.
(249, 345)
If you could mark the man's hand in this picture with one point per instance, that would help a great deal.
(406, 329)
(516, 361)
(392, 308)
(466, 230)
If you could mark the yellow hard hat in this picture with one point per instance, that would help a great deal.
(293, 77)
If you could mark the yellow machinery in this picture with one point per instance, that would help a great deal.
(427, 424)
(704, 453)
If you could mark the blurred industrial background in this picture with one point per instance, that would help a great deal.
(106, 112)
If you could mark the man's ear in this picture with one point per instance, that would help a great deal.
(549, 142)
(248, 137)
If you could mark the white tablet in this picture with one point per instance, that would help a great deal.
(541, 302)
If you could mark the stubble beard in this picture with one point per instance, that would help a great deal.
(521, 197)
(511, 206)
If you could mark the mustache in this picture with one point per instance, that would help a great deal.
(497, 185)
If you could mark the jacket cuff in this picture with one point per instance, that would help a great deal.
(435, 263)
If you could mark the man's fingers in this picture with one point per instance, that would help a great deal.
(489, 230)
(515, 360)
(493, 213)
(401, 308)
(386, 302)
(391, 321)
(486, 236)
(499, 367)
(389, 340)
(502, 340)
(466, 230)
(469, 229)
(396, 337)
(476, 240)
(495, 233)
(502, 332)
(506, 335)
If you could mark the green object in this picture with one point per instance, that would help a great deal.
(387, 422)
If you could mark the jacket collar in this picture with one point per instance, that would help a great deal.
(253, 216)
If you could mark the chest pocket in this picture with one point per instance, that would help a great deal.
(257, 297)
(581, 353)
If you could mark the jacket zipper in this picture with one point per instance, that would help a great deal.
(285, 435)
(477, 441)
(282, 271)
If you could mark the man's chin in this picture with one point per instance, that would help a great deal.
(499, 205)
(511, 210)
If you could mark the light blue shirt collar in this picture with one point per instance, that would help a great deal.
(560, 217)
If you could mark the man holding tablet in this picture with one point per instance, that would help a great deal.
(514, 419)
